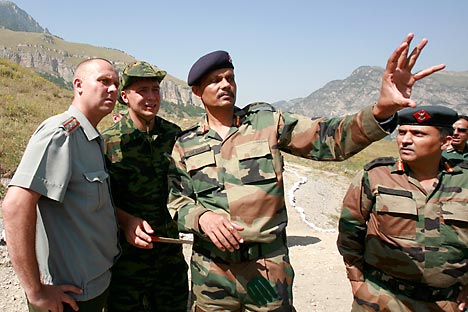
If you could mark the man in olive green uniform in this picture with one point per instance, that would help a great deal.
(227, 184)
(148, 276)
(458, 149)
(403, 230)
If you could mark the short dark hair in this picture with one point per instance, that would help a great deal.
(463, 117)
(445, 131)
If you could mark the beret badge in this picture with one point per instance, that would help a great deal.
(421, 116)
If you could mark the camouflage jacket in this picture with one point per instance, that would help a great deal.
(451, 153)
(241, 176)
(138, 164)
(390, 222)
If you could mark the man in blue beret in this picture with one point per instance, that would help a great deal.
(403, 226)
(226, 186)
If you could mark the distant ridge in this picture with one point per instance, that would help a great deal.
(362, 87)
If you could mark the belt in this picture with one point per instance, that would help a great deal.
(414, 290)
(246, 252)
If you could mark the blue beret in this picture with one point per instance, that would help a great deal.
(437, 116)
(208, 63)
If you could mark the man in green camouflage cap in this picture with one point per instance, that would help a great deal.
(227, 180)
(403, 230)
(148, 276)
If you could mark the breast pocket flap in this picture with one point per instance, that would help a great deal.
(96, 176)
(456, 211)
(200, 160)
(395, 201)
(253, 149)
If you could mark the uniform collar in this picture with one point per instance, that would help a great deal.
(130, 125)
(90, 132)
(451, 149)
(444, 166)
(237, 120)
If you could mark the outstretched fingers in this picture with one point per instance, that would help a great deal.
(415, 54)
(393, 61)
(403, 57)
(428, 71)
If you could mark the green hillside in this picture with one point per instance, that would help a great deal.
(25, 100)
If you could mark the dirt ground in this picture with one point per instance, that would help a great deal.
(313, 200)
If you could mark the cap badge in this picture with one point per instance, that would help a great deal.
(421, 116)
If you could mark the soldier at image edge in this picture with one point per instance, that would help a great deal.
(226, 181)
(404, 222)
(458, 148)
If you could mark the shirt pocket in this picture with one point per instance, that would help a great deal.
(201, 166)
(396, 213)
(255, 162)
(455, 217)
(96, 189)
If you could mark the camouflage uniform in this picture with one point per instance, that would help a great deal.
(452, 153)
(409, 246)
(241, 177)
(138, 168)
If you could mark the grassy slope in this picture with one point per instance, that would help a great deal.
(57, 46)
(75, 52)
(26, 100)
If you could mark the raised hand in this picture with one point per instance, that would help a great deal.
(398, 80)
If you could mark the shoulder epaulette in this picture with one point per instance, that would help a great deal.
(258, 106)
(189, 129)
(70, 124)
(381, 161)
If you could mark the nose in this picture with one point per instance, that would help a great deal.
(407, 138)
(225, 84)
(113, 87)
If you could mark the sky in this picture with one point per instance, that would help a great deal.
(281, 50)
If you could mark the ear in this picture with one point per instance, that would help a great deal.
(446, 142)
(77, 85)
(197, 91)
(124, 97)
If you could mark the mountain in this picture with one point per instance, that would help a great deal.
(55, 59)
(13, 18)
(362, 88)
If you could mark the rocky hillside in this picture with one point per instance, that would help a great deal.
(362, 88)
(24, 42)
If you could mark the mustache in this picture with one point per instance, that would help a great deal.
(228, 92)
(406, 149)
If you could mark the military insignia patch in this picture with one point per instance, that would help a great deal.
(70, 124)
(421, 116)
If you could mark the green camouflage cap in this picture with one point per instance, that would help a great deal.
(139, 69)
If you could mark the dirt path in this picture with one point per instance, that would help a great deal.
(313, 200)
(320, 284)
